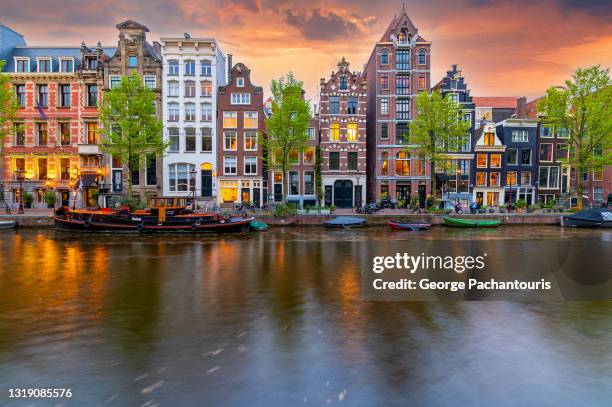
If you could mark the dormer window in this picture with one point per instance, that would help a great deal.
(403, 38)
(240, 82)
(22, 65)
(343, 83)
(489, 139)
(91, 63)
(44, 64)
(132, 61)
(66, 65)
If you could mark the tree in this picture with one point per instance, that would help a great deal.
(583, 107)
(437, 129)
(287, 127)
(8, 103)
(318, 177)
(130, 125)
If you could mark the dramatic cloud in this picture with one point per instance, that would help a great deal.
(601, 8)
(316, 26)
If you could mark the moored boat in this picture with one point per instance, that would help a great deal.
(589, 218)
(10, 224)
(345, 222)
(258, 225)
(407, 226)
(471, 223)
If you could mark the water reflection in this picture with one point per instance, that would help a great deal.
(276, 319)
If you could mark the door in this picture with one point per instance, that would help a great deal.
(207, 183)
(328, 195)
(278, 192)
(343, 194)
(256, 197)
(479, 198)
(245, 195)
(422, 195)
(358, 192)
(65, 197)
(402, 192)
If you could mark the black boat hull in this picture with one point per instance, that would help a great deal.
(75, 225)
(582, 223)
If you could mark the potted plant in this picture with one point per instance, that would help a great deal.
(521, 204)
(50, 199)
(332, 208)
(482, 209)
(491, 209)
(27, 199)
(414, 202)
(502, 209)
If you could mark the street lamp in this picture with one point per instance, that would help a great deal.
(457, 177)
(75, 184)
(193, 173)
(20, 175)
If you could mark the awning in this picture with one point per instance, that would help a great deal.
(442, 177)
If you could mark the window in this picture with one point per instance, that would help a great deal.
(91, 63)
(562, 132)
(20, 91)
(481, 179)
(546, 131)
(334, 132)
(64, 169)
(173, 139)
(546, 150)
(353, 105)
(525, 177)
(402, 133)
(308, 182)
(241, 98)
(44, 65)
(250, 120)
(206, 88)
(598, 175)
(190, 140)
(19, 164)
(494, 179)
(351, 132)
(512, 156)
(42, 168)
(229, 165)
(64, 99)
(230, 140)
(149, 82)
(92, 133)
(384, 131)
(384, 167)
(495, 160)
(132, 61)
(19, 133)
(114, 81)
(384, 81)
(240, 82)
(454, 98)
(189, 89)
(598, 193)
(481, 160)
(511, 178)
(150, 169)
(549, 177)
(311, 133)
(402, 109)
(179, 176)
(43, 95)
(352, 160)
(173, 89)
(207, 142)
(526, 157)
(250, 165)
(206, 112)
(230, 120)
(173, 67)
(402, 60)
(41, 132)
(402, 164)
(294, 183)
(334, 161)
(64, 131)
(402, 84)
(22, 65)
(173, 112)
(205, 68)
(92, 95)
(562, 151)
(66, 65)
(189, 68)
(384, 57)
(384, 106)
(421, 82)
(489, 139)
(309, 155)
(334, 105)
(520, 136)
(343, 83)
(190, 112)
(250, 140)
(422, 57)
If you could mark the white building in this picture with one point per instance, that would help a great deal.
(194, 68)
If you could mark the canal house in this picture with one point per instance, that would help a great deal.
(489, 149)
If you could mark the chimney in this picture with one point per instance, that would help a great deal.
(157, 47)
(521, 108)
(229, 68)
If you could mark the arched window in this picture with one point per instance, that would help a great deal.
(403, 38)
(206, 68)
(179, 177)
(422, 57)
(206, 88)
(189, 89)
(384, 167)
(402, 164)
(334, 131)
(189, 68)
(384, 57)
(343, 83)
(173, 67)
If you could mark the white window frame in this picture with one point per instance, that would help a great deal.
(225, 137)
(256, 117)
(178, 109)
(61, 59)
(230, 114)
(250, 158)
(38, 59)
(176, 136)
(190, 118)
(144, 80)
(240, 82)
(17, 59)
(207, 118)
(177, 65)
(552, 153)
(245, 140)
(175, 86)
(202, 65)
(524, 136)
(548, 168)
(110, 80)
(226, 161)
(241, 99)
(311, 133)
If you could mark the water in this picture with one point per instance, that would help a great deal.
(276, 319)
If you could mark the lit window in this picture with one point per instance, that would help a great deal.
(229, 140)
(494, 179)
(384, 168)
(309, 154)
(511, 178)
(206, 88)
(481, 179)
(402, 164)
(250, 140)
(489, 139)
(230, 120)
(251, 120)
(495, 160)
(335, 131)
(351, 132)
(481, 161)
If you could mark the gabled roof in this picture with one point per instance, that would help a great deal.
(399, 21)
(496, 102)
(131, 24)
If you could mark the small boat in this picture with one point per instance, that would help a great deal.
(259, 226)
(408, 226)
(589, 218)
(345, 222)
(471, 223)
(9, 224)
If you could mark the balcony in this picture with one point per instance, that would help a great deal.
(89, 149)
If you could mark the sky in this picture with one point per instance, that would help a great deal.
(504, 48)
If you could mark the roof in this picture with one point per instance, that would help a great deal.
(131, 24)
(55, 53)
(496, 102)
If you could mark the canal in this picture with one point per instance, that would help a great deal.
(277, 319)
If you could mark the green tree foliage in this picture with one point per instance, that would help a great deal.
(8, 103)
(130, 125)
(437, 129)
(287, 127)
(584, 108)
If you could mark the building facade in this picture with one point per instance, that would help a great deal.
(494, 108)
(488, 172)
(134, 54)
(343, 137)
(553, 177)
(397, 70)
(193, 70)
(240, 121)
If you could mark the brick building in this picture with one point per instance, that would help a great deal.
(398, 68)
(240, 120)
(343, 137)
